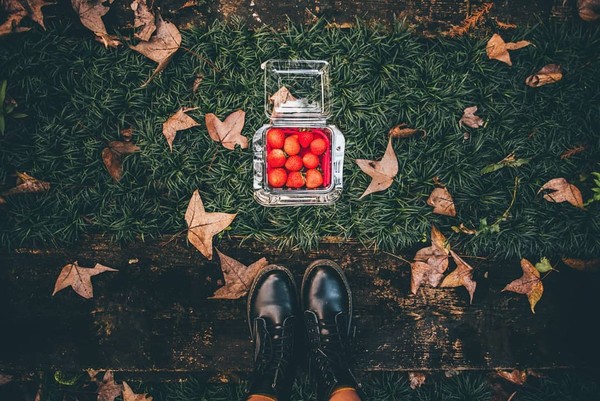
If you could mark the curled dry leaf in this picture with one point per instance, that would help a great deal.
(461, 228)
(238, 277)
(588, 265)
(27, 184)
(431, 262)
(416, 379)
(497, 48)
(197, 82)
(529, 284)
(113, 156)
(382, 172)
(470, 119)
(80, 278)
(572, 152)
(516, 376)
(462, 275)
(16, 10)
(229, 131)
(505, 25)
(549, 74)
(402, 130)
(108, 390)
(282, 96)
(203, 226)
(129, 395)
(178, 122)
(90, 14)
(161, 47)
(143, 18)
(560, 190)
(442, 202)
(589, 10)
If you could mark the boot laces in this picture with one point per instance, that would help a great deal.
(330, 348)
(275, 353)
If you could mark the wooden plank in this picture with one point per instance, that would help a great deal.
(153, 314)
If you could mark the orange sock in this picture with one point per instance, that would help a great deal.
(344, 394)
(261, 397)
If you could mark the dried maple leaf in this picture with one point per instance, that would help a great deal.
(549, 74)
(516, 376)
(178, 122)
(129, 395)
(203, 226)
(589, 265)
(90, 14)
(589, 10)
(573, 151)
(470, 119)
(161, 47)
(282, 96)
(143, 18)
(108, 390)
(229, 131)
(382, 172)
(529, 284)
(430, 262)
(80, 278)
(238, 277)
(497, 48)
(27, 184)
(442, 202)
(416, 379)
(113, 156)
(402, 130)
(560, 190)
(462, 275)
(16, 10)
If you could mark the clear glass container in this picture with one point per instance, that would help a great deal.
(298, 156)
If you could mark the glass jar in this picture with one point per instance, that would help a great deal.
(298, 156)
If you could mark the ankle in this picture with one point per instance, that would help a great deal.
(261, 397)
(344, 394)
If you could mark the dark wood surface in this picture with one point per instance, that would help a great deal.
(154, 315)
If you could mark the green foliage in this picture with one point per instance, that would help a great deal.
(595, 190)
(7, 107)
(82, 94)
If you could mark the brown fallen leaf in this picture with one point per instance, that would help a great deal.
(229, 131)
(416, 379)
(282, 96)
(129, 395)
(549, 74)
(560, 190)
(497, 48)
(442, 202)
(178, 122)
(470, 119)
(203, 226)
(573, 151)
(402, 130)
(461, 228)
(16, 10)
(90, 14)
(382, 172)
(469, 23)
(589, 10)
(27, 184)
(505, 25)
(587, 265)
(430, 262)
(108, 390)
(238, 277)
(516, 376)
(80, 278)
(529, 284)
(143, 18)
(197, 82)
(161, 47)
(462, 275)
(113, 156)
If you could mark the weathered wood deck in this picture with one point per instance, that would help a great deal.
(153, 314)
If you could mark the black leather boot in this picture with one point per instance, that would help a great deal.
(327, 305)
(273, 317)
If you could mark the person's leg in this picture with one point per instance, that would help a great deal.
(327, 305)
(273, 317)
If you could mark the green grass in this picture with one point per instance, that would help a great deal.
(78, 96)
(466, 386)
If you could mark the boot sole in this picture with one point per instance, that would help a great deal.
(267, 269)
(338, 269)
